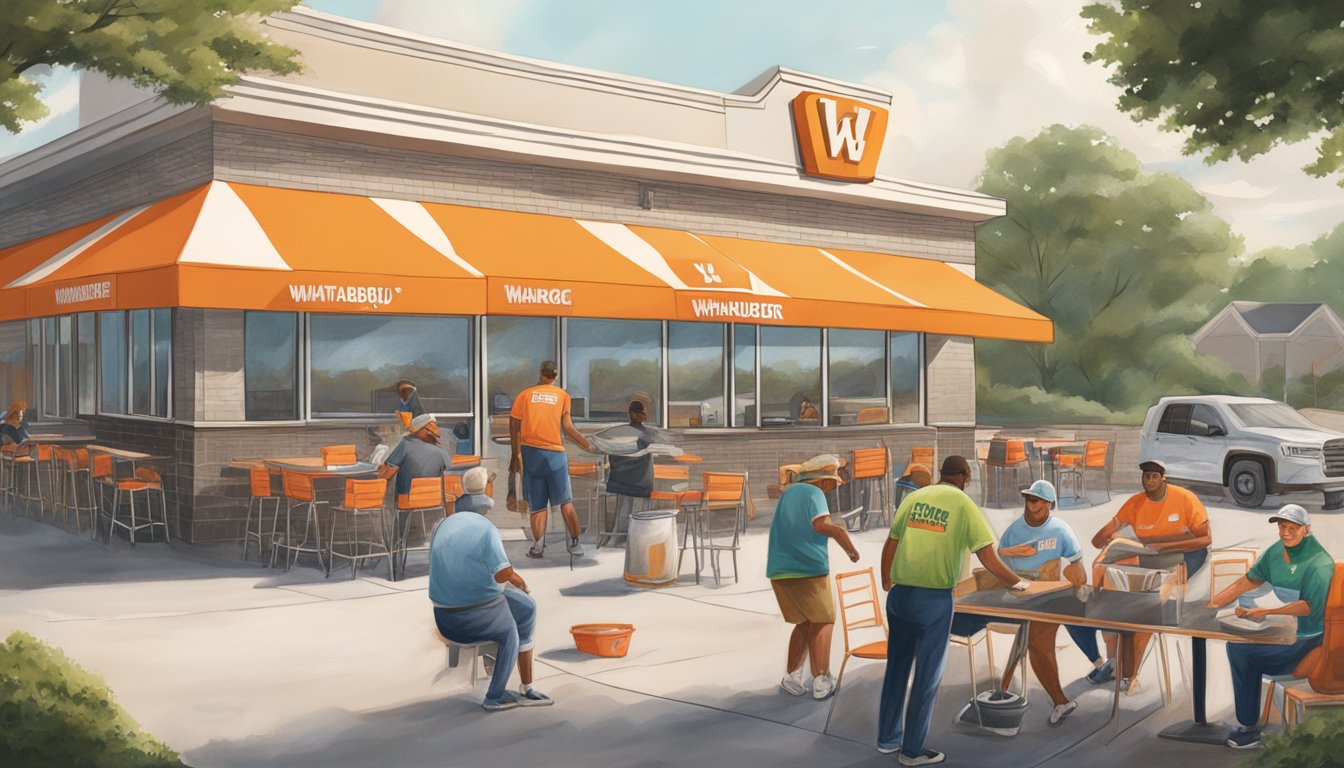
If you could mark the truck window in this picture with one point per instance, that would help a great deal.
(1176, 419)
(1202, 418)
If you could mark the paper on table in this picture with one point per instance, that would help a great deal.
(1228, 618)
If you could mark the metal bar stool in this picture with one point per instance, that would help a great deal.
(145, 481)
(425, 495)
(259, 486)
(298, 488)
(30, 467)
(76, 474)
(363, 499)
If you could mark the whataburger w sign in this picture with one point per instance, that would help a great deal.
(838, 138)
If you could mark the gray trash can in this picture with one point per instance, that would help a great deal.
(651, 548)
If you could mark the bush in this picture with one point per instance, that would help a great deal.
(1316, 743)
(1002, 404)
(54, 713)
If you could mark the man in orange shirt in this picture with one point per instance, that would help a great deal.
(1173, 523)
(536, 421)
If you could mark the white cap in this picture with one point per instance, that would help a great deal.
(475, 479)
(1291, 513)
(422, 421)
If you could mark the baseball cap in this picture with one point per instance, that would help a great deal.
(421, 421)
(1153, 465)
(1292, 513)
(825, 466)
(474, 480)
(1041, 489)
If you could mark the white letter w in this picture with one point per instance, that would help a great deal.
(847, 132)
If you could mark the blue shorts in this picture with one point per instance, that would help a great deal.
(545, 478)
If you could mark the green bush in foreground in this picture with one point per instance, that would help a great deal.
(52, 713)
(1317, 743)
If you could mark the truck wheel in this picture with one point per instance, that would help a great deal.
(1246, 481)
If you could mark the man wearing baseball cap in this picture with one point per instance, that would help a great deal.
(1298, 570)
(417, 455)
(1173, 523)
(538, 422)
(797, 564)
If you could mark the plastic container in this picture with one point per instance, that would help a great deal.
(651, 548)
(610, 640)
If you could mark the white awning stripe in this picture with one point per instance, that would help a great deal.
(66, 255)
(419, 222)
(227, 234)
(869, 280)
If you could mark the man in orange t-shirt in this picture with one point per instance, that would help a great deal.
(539, 416)
(1173, 523)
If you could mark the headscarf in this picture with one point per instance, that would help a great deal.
(14, 416)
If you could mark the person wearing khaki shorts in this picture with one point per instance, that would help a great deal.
(798, 567)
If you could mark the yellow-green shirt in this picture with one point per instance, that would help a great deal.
(936, 527)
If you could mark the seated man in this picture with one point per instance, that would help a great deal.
(417, 455)
(1298, 570)
(467, 573)
(475, 481)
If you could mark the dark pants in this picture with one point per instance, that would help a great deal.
(920, 621)
(1249, 661)
(508, 621)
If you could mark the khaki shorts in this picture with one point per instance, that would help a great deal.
(805, 600)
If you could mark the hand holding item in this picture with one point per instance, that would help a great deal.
(853, 555)
(1020, 550)
(1254, 614)
(1083, 593)
(1020, 587)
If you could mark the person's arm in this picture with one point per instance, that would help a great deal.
(1019, 550)
(386, 471)
(567, 424)
(1195, 538)
(994, 565)
(1075, 574)
(1233, 591)
(888, 556)
(510, 576)
(515, 445)
(1107, 533)
(1295, 608)
(822, 524)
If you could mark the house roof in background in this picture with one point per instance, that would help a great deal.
(1266, 317)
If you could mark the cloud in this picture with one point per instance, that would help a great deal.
(1240, 189)
(60, 92)
(487, 25)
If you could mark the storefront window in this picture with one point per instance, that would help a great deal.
(357, 359)
(162, 322)
(905, 377)
(270, 365)
(695, 385)
(142, 375)
(744, 375)
(35, 368)
(858, 376)
(515, 348)
(112, 359)
(790, 375)
(86, 340)
(15, 374)
(609, 363)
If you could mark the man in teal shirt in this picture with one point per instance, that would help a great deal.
(798, 564)
(934, 529)
(1298, 570)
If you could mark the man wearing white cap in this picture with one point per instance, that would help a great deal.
(417, 455)
(798, 565)
(1298, 570)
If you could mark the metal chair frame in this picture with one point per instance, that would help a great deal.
(363, 499)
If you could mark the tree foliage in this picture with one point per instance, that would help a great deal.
(185, 51)
(1242, 76)
(1125, 263)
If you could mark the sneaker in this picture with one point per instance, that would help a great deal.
(508, 701)
(822, 687)
(534, 698)
(1103, 674)
(927, 757)
(888, 750)
(536, 551)
(1062, 711)
(1131, 686)
(794, 683)
(574, 547)
(1244, 738)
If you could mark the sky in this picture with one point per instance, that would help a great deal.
(966, 76)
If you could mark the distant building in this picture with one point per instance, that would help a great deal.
(1253, 337)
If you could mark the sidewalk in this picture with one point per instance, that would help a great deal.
(237, 665)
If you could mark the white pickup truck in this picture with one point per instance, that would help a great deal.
(1249, 445)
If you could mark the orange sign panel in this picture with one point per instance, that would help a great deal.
(838, 138)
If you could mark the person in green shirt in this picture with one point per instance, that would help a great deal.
(1298, 570)
(935, 527)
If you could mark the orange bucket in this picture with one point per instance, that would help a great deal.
(611, 640)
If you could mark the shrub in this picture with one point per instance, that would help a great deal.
(1002, 404)
(54, 713)
(1317, 742)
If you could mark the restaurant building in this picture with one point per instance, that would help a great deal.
(250, 278)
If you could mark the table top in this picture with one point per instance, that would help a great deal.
(55, 438)
(313, 465)
(121, 453)
(1197, 620)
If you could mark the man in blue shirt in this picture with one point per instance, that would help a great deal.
(468, 571)
(798, 564)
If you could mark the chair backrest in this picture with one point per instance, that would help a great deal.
(297, 485)
(788, 473)
(81, 457)
(62, 455)
(1324, 667)
(365, 494)
(922, 455)
(1228, 565)
(1094, 454)
(868, 462)
(147, 475)
(259, 478)
(425, 493)
(405, 417)
(671, 472)
(859, 606)
(876, 414)
(338, 454)
(584, 469)
(101, 465)
(43, 452)
(998, 452)
(723, 486)
(1015, 452)
(666, 479)
(452, 487)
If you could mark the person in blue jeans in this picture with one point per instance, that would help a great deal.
(934, 529)
(468, 571)
(1298, 570)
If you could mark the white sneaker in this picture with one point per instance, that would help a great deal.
(574, 547)
(794, 683)
(822, 687)
(927, 757)
(1062, 711)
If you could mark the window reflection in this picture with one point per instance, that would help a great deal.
(744, 375)
(695, 386)
(790, 375)
(858, 376)
(112, 356)
(270, 366)
(905, 376)
(611, 362)
(515, 348)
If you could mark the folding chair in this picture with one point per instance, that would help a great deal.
(860, 608)
(724, 502)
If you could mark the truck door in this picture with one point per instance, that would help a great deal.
(1171, 444)
(1208, 444)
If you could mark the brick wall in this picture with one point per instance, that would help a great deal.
(950, 377)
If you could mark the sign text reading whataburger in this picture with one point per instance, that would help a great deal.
(77, 294)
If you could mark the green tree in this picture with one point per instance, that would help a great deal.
(1312, 272)
(185, 51)
(1242, 76)
(1125, 263)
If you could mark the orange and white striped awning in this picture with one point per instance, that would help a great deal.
(238, 246)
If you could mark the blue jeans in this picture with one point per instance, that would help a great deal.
(1249, 661)
(920, 620)
(508, 620)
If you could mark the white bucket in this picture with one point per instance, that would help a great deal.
(651, 548)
